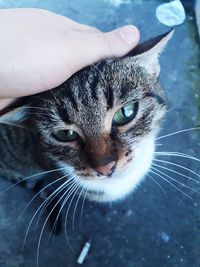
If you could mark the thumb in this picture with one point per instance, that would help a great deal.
(98, 45)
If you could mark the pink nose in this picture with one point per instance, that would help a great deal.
(106, 169)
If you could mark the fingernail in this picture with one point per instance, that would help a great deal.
(129, 34)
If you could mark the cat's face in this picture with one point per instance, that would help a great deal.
(101, 124)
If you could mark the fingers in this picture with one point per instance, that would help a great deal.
(68, 23)
(91, 47)
(51, 48)
(94, 44)
(121, 41)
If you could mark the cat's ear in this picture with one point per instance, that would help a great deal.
(15, 114)
(147, 54)
(13, 117)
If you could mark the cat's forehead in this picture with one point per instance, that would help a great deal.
(89, 96)
(115, 75)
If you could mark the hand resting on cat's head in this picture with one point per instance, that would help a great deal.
(99, 127)
(39, 50)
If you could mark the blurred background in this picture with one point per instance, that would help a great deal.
(154, 226)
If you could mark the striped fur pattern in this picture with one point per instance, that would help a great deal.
(86, 104)
(18, 155)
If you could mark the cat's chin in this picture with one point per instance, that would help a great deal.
(122, 183)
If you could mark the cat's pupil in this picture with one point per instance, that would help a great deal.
(125, 114)
(65, 135)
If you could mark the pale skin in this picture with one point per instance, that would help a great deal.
(39, 50)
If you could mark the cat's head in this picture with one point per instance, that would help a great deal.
(101, 124)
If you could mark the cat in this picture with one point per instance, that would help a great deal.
(95, 132)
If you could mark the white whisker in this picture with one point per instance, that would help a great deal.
(29, 177)
(41, 233)
(170, 183)
(82, 207)
(27, 107)
(177, 165)
(59, 179)
(166, 175)
(156, 183)
(179, 173)
(68, 209)
(53, 195)
(101, 74)
(45, 100)
(76, 205)
(172, 109)
(158, 144)
(69, 193)
(176, 154)
(65, 201)
(181, 131)
(63, 186)
(54, 97)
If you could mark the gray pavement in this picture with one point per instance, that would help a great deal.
(151, 228)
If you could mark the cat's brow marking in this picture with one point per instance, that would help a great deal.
(160, 100)
(109, 98)
(64, 115)
(69, 94)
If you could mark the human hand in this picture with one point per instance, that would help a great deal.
(39, 50)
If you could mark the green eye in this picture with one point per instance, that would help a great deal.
(125, 114)
(65, 136)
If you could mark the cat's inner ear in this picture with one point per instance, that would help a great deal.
(16, 114)
(15, 117)
(146, 55)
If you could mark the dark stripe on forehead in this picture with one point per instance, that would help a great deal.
(129, 91)
(93, 87)
(108, 92)
(160, 100)
(98, 77)
(123, 92)
(63, 115)
(70, 96)
(84, 88)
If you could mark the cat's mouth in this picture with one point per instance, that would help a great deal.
(119, 185)
(109, 171)
(123, 179)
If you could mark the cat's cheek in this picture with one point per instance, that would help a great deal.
(124, 160)
(159, 117)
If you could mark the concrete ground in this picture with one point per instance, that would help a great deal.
(153, 227)
(197, 14)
